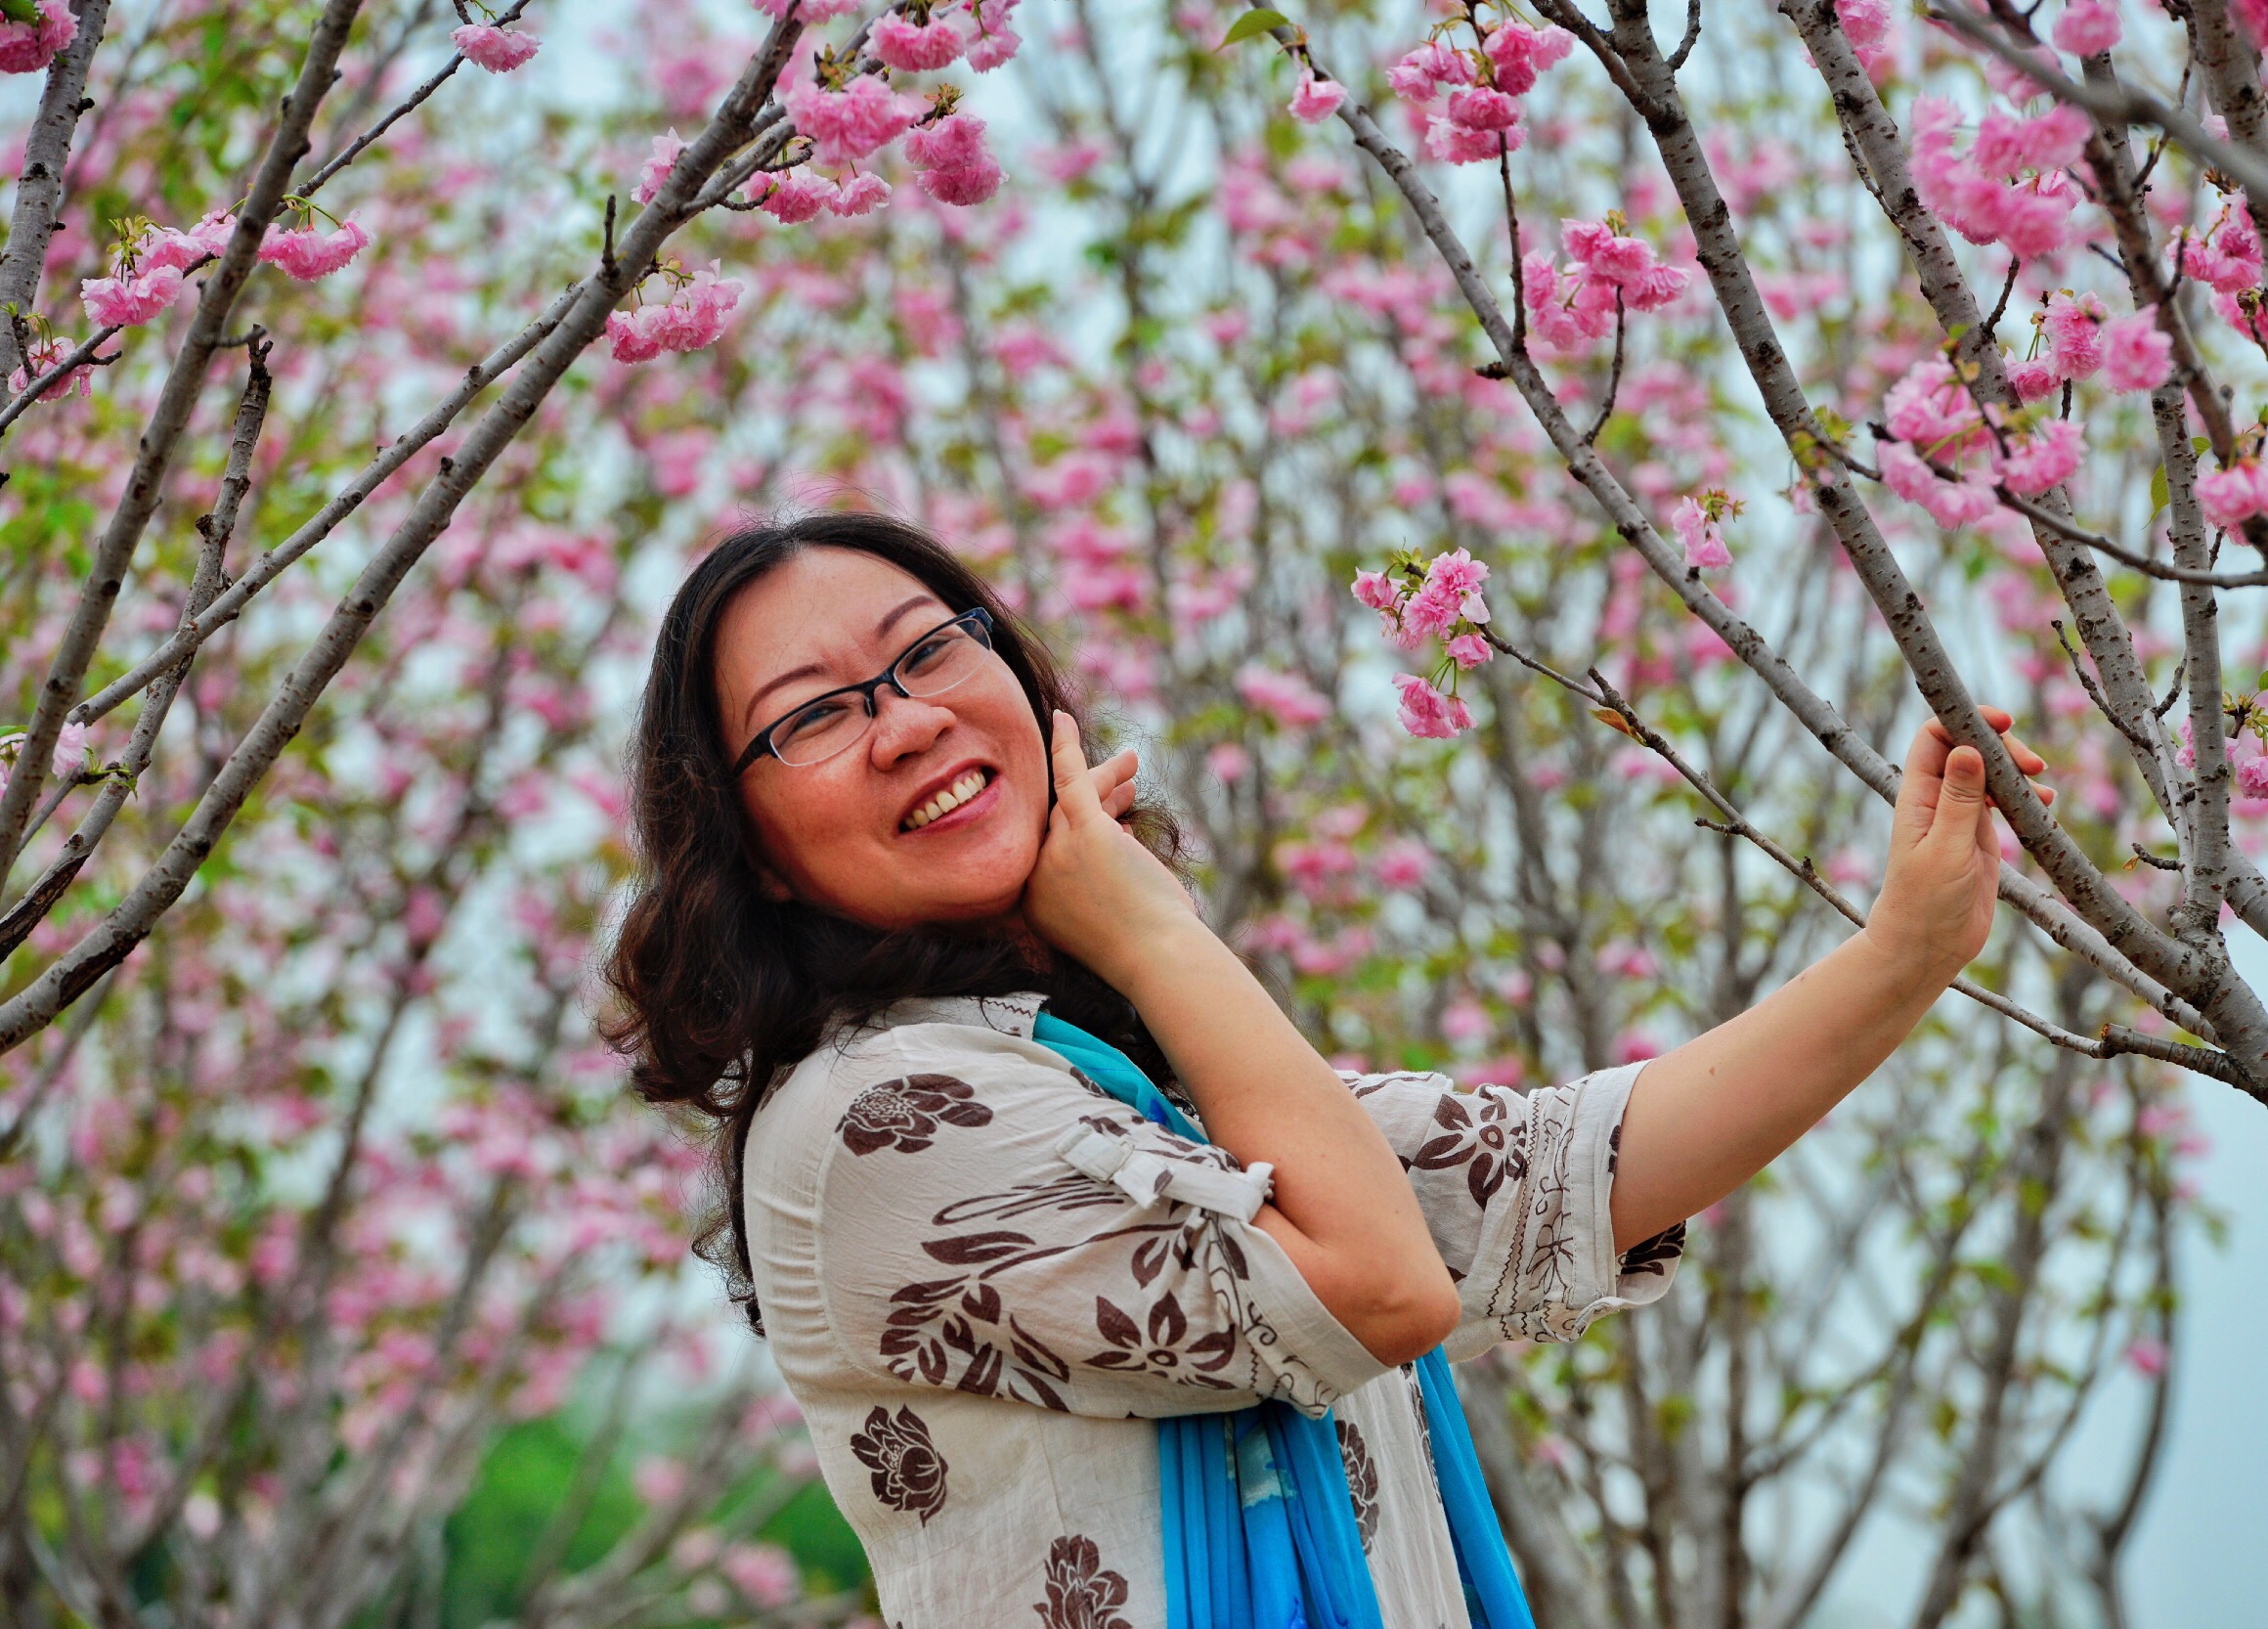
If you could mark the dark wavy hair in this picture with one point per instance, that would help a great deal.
(720, 991)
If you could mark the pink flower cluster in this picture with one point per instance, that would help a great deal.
(951, 161)
(1699, 535)
(29, 47)
(149, 277)
(307, 252)
(498, 50)
(693, 317)
(2131, 353)
(1980, 195)
(656, 170)
(1316, 100)
(913, 47)
(1285, 697)
(1936, 421)
(2233, 496)
(1570, 307)
(1480, 117)
(1427, 712)
(2226, 258)
(854, 122)
(796, 196)
(1439, 599)
(2088, 28)
(43, 355)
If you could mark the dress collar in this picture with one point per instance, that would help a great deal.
(1010, 1015)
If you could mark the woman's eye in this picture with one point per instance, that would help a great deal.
(812, 720)
(926, 654)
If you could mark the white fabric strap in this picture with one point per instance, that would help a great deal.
(1147, 1178)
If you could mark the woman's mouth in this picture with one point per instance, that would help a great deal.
(959, 795)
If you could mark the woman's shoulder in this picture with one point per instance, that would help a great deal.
(918, 1049)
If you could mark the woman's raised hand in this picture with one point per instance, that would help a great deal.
(1097, 893)
(1935, 911)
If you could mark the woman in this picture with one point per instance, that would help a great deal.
(887, 917)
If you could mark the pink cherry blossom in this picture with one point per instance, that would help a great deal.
(1519, 53)
(1376, 590)
(1470, 650)
(29, 47)
(125, 300)
(990, 40)
(43, 355)
(306, 253)
(951, 163)
(691, 318)
(859, 195)
(1463, 144)
(850, 124)
(657, 166)
(2253, 16)
(2088, 28)
(1974, 194)
(2147, 1355)
(1699, 535)
(2232, 496)
(1427, 712)
(1316, 100)
(498, 50)
(1286, 697)
(2136, 353)
(913, 47)
(1456, 576)
(163, 245)
(1950, 504)
(2033, 378)
(2075, 334)
(1418, 76)
(1930, 408)
(794, 196)
(1477, 107)
(2047, 458)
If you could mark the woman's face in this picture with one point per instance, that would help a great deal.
(844, 834)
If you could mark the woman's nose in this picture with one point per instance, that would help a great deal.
(904, 725)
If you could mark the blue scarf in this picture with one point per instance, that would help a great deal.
(1260, 1525)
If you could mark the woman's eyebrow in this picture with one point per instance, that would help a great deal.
(812, 670)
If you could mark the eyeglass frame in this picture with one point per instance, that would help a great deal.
(978, 619)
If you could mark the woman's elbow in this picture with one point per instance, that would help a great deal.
(1405, 1319)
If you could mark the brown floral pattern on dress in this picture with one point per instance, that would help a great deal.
(906, 1114)
(1362, 1480)
(1655, 1254)
(1481, 1132)
(1081, 1593)
(1155, 1343)
(909, 1473)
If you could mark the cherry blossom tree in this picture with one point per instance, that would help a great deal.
(314, 1175)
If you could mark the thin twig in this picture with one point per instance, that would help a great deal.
(84, 356)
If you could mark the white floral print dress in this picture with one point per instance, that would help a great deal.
(982, 1278)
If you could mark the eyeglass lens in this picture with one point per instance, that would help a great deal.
(942, 659)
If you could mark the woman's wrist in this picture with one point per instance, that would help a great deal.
(1906, 971)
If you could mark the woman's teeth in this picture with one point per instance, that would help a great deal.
(945, 801)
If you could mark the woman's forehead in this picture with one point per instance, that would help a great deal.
(823, 610)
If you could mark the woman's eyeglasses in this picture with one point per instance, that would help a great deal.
(942, 658)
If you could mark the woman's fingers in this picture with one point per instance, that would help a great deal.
(1999, 719)
(1074, 787)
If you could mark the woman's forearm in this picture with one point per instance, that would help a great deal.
(1704, 1119)
(1343, 1211)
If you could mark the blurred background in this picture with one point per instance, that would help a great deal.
(342, 1284)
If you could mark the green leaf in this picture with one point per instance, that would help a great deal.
(2159, 495)
(1257, 21)
(19, 11)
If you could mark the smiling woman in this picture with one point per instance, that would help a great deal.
(1106, 1298)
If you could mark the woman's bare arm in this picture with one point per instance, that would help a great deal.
(1706, 1117)
(1343, 1211)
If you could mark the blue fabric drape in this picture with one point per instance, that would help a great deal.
(1260, 1525)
